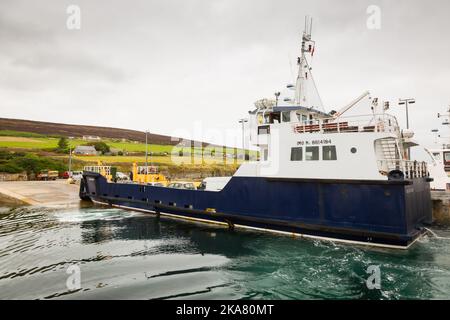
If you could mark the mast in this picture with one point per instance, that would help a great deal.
(301, 98)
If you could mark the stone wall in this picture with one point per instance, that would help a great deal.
(13, 176)
(441, 207)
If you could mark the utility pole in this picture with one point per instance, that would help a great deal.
(446, 121)
(243, 121)
(70, 161)
(407, 102)
(146, 153)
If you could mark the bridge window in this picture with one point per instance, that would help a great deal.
(286, 116)
(311, 153)
(264, 130)
(447, 157)
(297, 154)
(329, 153)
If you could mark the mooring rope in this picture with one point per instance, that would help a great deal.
(435, 235)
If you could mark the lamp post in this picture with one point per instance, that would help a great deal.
(407, 102)
(277, 95)
(70, 161)
(243, 121)
(446, 121)
(436, 135)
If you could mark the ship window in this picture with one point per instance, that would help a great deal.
(264, 130)
(311, 153)
(286, 116)
(297, 154)
(275, 117)
(447, 157)
(329, 153)
(266, 154)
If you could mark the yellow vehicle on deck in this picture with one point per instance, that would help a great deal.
(148, 174)
(101, 169)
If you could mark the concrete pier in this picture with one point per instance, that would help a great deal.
(441, 207)
(43, 193)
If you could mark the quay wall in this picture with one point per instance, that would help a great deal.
(13, 176)
(441, 207)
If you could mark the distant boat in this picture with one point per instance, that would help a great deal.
(321, 175)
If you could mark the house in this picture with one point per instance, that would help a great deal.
(85, 151)
(92, 138)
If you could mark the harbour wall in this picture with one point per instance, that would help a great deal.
(441, 207)
(13, 176)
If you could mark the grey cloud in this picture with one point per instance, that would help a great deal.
(183, 60)
(70, 63)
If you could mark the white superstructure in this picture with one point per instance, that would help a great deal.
(296, 138)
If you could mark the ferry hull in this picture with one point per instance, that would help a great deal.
(380, 213)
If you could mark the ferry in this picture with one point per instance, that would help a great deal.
(320, 175)
(439, 155)
(438, 167)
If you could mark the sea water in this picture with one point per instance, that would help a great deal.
(104, 253)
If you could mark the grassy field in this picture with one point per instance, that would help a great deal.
(11, 133)
(31, 141)
(25, 140)
(28, 143)
(39, 143)
(174, 163)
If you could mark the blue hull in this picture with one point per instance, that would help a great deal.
(389, 213)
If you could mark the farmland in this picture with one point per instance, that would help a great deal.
(173, 160)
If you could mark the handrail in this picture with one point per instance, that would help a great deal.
(360, 123)
(411, 168)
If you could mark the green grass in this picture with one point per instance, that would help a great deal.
(11, 133)
(139, 147)
(37, 143)
(40, 142)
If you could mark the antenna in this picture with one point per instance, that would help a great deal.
(308, 29)
(304, 71)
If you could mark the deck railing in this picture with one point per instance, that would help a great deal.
(411, 169)
(365, 123)
(103, 170)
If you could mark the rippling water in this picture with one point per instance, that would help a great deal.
(127, 255)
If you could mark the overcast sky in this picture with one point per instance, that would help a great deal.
(194, 67)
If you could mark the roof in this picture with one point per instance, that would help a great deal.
(85, 149)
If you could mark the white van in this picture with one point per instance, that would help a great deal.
(214, 183)
(76, 175)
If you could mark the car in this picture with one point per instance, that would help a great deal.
(48, 175)
(182, 185)
(155, 184)
(122, 176)
(65, 175)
